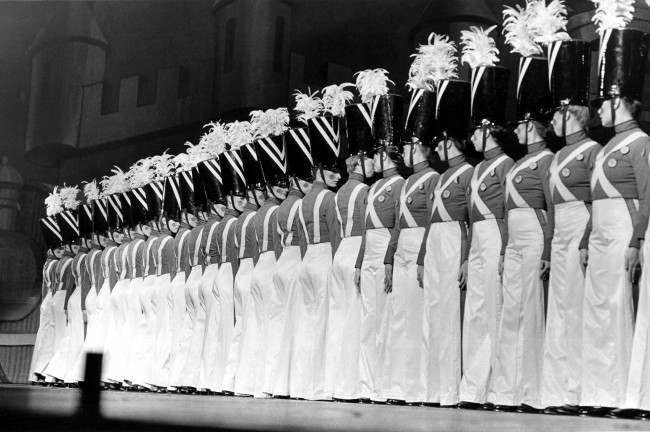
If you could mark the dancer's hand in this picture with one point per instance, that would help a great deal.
(421, 276)
(357, 279)
(462, 276)
(388, 278)
(544, 269)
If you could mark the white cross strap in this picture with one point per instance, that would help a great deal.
(265, 228)
(242, 241)
(134, 255)
(316, 218)
(598, 175)
(197, 249)
(146, 257)
(224, 239)
(180, 247)
(556, 167)
(511, 190)
(346, 228)
(208, 244)
(372, 195)
(288, 238)
(438, 204)
(477, 179)
(64, 267)
(403, 208)
(160, 250)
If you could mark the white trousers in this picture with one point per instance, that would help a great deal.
(442, 311)
(516, 373)
(563, 339)
(638, 381)
(482, 310)
(223, 289)
(56, 366)
(404, 363)
(307, 375)
(281, 322)
(115, 341)
(145, 333)
(77, 373)
(344, 323)
(373, 301)
(607, 326)
(162, 304)
(195, 323)
(44, 344)
(210, 338)
(262, 293)
(132, 328)
(180, 327)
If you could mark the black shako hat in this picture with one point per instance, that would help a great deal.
(621, 63)
(154, 192)
(325, 143)
(488, 95)
(452, 109)
(388, 121)
(139, 205)
(232, 171)
(532, 92)
(68, 225)
(100, 216)
(252, 168)
(172, 198)
(272, 156)
(85, 218)
(51, 232)
(186, 190)
(568, 72)
(211, 177)
(359, 128)
(299, 160)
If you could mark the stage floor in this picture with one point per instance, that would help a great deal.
(234, 413)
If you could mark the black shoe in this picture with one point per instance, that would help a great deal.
(595, 411)
(642, 415)
(625, 413)
(470, 405)
(395, 402)
(488, 406)
(431, 404)
(365, 401)
(571, 410)
(527, 409)
(505, 408)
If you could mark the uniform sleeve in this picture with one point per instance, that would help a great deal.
(84, 278)
(332, 220)
(431, 185)
(394, 231)
(639, 160)
(44, 281)
(362, 247)
(549, 226)
(590, 160)
(275, 233)
(68, 283)
(501, 172)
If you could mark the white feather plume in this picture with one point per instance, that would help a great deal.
(548, 21)
(214, 140)
(612, 14)
(271, 122)
(141, 173)
(479, 48)
(518, 30)
(238, 134)
(163, 166)
(70, 197)
(308, 105)
(53, 203)
(371, 83)
(91, 190)
(336, 97)
(433, 62)
(197, 153)
(116, 183)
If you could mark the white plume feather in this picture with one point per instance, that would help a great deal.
(53, 203)
(336, 97)
(116, 183)
(518, 31)
(141, 173)
(308, 105)
(70, 197)
(163, 166)
(433, 62)
(479, 48)
(91, 191)
(271, 122)
(612, 14)
(548, 21)
(239, 134)
(214, 140)
(371, 83)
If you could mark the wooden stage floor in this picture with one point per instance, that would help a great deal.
(27, 403)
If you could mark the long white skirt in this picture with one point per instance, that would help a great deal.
(373, 303)
(44, 344)
(56, 366)
(307, 374)
(241, 280)
(608, 319)
(145, 333)
(223, 289)
(638, 382)
(563, 339)
(180, 323)
(516, 374)
(210, 338)
(482, 310)
(281, 323)
(162, 304)
(249, 348)
(403, 371)
(115, 342)
(132, 329)
(344, 323)
(196, 327)
(263, 294)
(442, 311)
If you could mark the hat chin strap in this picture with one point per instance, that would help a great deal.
(444, 146)
(484, 138)
(613, 108)
(565, 108)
